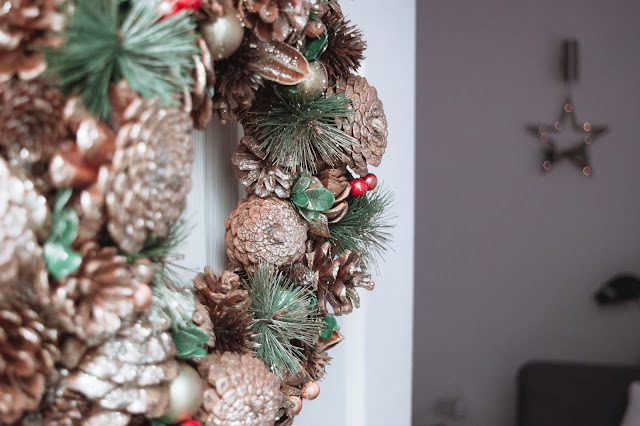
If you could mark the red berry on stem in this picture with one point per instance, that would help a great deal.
(372, 181)
(190, 423)
(358, 187)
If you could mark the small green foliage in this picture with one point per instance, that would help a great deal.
(60, 259)
(310, 201)
(282, 313)
(295, 132)
(189, 341)
(109, 40)
(315, 47)
(330, 324)
(365, 228)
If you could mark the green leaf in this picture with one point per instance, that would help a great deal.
(64, 229)
(189, 341)
(309, 215)
(157, 422)
(301, 182)
(63, 196)
(61, 260)
(315, 47)
(300, 199)
(320, 199)
(330, 324)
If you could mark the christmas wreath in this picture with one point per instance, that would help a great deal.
(98, 101)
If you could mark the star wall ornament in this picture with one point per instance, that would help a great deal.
(577, 153)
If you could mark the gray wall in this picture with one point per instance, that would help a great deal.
(507, 258)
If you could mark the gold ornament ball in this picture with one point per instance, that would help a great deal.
(186, 395)
(316, 84)
(223, 36)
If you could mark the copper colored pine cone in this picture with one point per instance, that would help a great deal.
(336, 279)
(127, 375)
(368, 124)
(24, 223)
(28, 352)
(258, 176)
(241, 391)
(103, 295)
(336, 182)
(31, 127)
(275, 20)
(221, 310)
(151, 170)
(265, 230)
(204, 78)
(24, 32)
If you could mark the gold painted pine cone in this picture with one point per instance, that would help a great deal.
(24, 32)
(127, 375)
(368, 124)
(28, 352)
(336, 279)
(31, 127)
(24, 223)
(221, 310)
(102, 296)
(241, 391)
(265, 230)
(151, 171)
(257, 175)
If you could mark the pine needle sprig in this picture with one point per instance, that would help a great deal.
(366, 226)
(282, 312)
(295, 133)
(105, 44)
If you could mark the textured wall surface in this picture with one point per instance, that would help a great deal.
(506, 257)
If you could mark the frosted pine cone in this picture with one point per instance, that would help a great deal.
(241, 391)
(151, 175)
(24, 220)
(31, 127)
(337, 278)
(102, 295)
(368, 124)
(28, 352)
(257, 175)
(67, 409)
(265, 230)
(275, 20)
(128, 374)
(24, 27)
(221, 310)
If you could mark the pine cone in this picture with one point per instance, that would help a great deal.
(275, 19)
(265, 230)
(24, 26)
(336, 182)
(102, 295)
(368, 125)
(257, 175)
(204, 78)
(31, 127)
(241, 391)
(28, 352)
(345, 44)
(337, 278)
(67, 409)
(151, 176)
(24, 220)
(128, 374)
(221, 310)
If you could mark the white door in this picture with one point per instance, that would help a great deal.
(369, 380)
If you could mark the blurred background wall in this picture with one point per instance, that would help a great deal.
(507, 258)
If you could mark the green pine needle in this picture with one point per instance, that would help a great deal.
(295, 132)
(103, 43)
(282, 312)
(365, 228)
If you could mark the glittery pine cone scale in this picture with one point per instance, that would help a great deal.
(275, 20)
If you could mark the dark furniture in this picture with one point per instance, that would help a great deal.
(568, 394)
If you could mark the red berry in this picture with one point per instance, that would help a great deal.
(372, 181)
(171, 7)
(190, 423)
(358, 187)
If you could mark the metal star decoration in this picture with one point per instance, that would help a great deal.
(576, 153)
